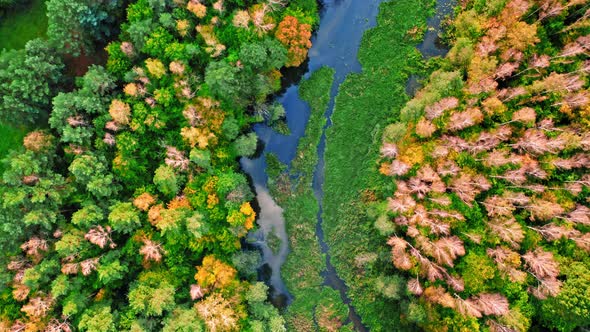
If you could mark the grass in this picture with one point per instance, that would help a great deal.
(365, 102)
(22, 24)
(293, 191)
(10, 138)
(17, 26)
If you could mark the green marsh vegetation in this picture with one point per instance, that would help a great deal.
(315, 306)
(365, 102)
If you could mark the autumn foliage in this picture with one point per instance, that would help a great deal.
(296, 37)
(502, 173)
(136, 183)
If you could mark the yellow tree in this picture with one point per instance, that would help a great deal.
(215, 274)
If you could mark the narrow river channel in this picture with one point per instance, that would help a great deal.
(335, 44)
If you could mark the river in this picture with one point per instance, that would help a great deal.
(335, 44)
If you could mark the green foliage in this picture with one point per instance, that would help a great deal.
(222, 79)
(245, 145)
(442, 84)
(110, 269)
(6, 4)
(201, 158)
(390, 286)
(182, 320)
(305, 11)
(74, 26)
(247, 263)
(13, 138)
(477, 272)
(303, 269)
(571, 308)
(65, 29)
(394, 132)
(70, 110)
(115, 219)
(123, 217)
(118, 62)
(28, 80)
(362, 108)
(166, 180)
(91, 172)
(88, 215)
(330, 312)
(263, 56)
(416, 313)
(152, 294)
(264, 316)
(98, 318)
(230, 128)
(500, 251)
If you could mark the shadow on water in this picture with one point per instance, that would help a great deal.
(335, 44)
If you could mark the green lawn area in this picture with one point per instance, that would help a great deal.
(17, 26)
(23, 24)
(10, 138)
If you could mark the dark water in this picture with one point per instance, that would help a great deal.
(432, 44)
(336, 43)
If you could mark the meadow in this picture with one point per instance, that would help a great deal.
(23, 23)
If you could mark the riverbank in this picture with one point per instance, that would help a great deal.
(365, 101)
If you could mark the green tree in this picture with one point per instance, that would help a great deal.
(246, 145)
(152, 294)
(97, 319)
(201, 158)
(571, 308)
(76, 25)
(264, 55)
(124, 217)
(91, 172)
(73, 112)
(182, 320)
(390, 286)
(29, 79)
(223, 80)
(166, 180)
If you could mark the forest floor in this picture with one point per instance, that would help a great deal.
(365, 102)
(22, 24)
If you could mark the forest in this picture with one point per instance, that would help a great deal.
(294, 165)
